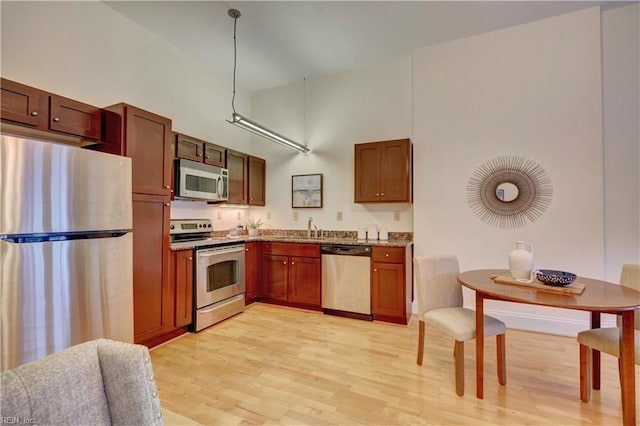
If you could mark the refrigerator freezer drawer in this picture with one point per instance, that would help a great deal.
(56, 294)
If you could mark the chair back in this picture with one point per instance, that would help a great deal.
(437, 282)
(630, 277)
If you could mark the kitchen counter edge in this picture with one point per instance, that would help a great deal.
(188, 245)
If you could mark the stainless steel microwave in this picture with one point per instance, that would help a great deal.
(199, 181)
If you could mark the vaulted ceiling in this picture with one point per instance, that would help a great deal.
(280, 42)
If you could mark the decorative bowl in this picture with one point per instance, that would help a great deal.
(555, 278)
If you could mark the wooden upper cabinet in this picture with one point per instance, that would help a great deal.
(201, 151)
(383, 172)
(257, 181)
(21, 104)
(76, 118)
(238, 165)
(145, 137)
(43, 111)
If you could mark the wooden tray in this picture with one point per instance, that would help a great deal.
(573, 288)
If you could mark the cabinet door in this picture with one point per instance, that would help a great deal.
(183, 281)
(275, 275)
(21, 104)
(251, 262)
(148, 141)
(152, 290)
(387, 296)
(304, 281)
(189, 148)
(73, 117)
(367, 172)
(215, 155)
(257, 173)
(395, 158)
(237, 163)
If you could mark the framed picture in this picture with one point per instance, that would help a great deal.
(306, 191)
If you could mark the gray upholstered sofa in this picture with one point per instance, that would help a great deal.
(99, 382)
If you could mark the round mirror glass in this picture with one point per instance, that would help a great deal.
(507, 192)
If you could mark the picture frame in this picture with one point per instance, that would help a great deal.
(306, 191)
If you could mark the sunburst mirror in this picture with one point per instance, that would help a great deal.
(508, 191)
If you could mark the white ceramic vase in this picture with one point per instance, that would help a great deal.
(521, 261)
(253, 232)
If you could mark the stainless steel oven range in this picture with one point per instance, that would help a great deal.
(219, 276)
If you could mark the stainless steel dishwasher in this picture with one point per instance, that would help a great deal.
(346, 280)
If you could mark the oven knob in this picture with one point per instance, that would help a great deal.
(209, 225)
(172, 227)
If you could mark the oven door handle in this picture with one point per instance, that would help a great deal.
(220, 251)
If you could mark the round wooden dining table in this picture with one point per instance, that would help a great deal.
(598, 297)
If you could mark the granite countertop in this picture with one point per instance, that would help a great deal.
(399, 240)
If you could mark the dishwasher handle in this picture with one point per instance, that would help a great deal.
(346, 250)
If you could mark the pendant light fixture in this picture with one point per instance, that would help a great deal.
(244, 122)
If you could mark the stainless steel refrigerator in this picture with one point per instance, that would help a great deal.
(66, 273)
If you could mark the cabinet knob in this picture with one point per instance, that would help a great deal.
(56, 119)
(386, 255)
(375, 270)
(198, 155)
(382, 194)
(206, 156)
(293, 263)
(246, 249)
(34, 113)
(167, 186)
(190, 258)
(377, 194)
(166, 204)
(284, 263)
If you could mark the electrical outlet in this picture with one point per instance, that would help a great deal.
(295, 216)
(218, 215)
(339, 216)
(396, 216)
(268, 215)
(239, 216)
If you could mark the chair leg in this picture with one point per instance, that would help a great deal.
(420, 342)
(501, 361)
(585, 373)
(458, 353)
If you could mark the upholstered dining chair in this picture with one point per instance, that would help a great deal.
(607, 339)
(440, 306)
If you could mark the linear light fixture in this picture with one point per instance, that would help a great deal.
(244, 122)
(260, 130)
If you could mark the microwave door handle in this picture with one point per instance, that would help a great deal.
(220, 187)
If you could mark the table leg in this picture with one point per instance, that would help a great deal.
(595, 355)
(627, 369)
(479, 345)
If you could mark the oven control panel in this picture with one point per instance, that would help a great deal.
(190, 226)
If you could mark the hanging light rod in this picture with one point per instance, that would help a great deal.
(244, 122)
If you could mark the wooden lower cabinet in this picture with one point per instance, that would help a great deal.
(153, 292)
(252, 268)
(291, 274)
(391, 282)
(182, 274)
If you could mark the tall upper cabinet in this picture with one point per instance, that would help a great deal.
(383, 172)
(146, 138)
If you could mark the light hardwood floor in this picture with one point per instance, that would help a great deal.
(276, 365)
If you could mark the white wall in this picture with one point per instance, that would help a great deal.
(330, 115)
(621, 98)
(89, 52)
(533, 91)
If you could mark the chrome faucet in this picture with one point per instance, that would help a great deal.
(309, 227)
